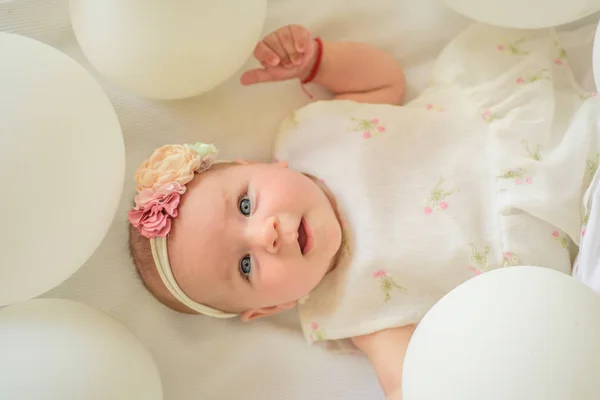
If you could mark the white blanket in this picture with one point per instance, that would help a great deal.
(200, 358)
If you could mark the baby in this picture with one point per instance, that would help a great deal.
(373, 211)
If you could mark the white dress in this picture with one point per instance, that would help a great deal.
(481, 171)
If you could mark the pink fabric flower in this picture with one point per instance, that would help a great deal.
(428, 210)
(443, 205)
(520, 81)
(555, 234)
(529, 181)
(429, 106)
(582, 232)
(558, 61)
(154, 221)
(154, 210)
(314, 326)
(500, 47)
(366, 135)
(508, 256)
(519, 182)
(379, 273)
(375, 121)
(486, 114)
(381, 128)
(312, 338)
(148, 197)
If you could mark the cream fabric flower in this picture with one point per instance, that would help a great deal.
(173, 163)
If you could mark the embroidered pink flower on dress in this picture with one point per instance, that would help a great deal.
(160, 182)
(520, 81)
(379, 273)
(369, 127)
(558, 61)
(429, 106)
(528, 181)
(562, 238)
(508, 256)
(387, 284)
(317, 332)
(443, 205)
(428, 210)
(500, 47)
(488, 116)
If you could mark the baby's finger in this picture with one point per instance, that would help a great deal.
(255, 76)
(287, 42)
(301, 37)
(273, 42)
(265, 55)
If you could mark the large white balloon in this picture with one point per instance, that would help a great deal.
(62, 350)
(596, 58)
(62, 166)
(518, 333)
(524, 14)
(168, 49)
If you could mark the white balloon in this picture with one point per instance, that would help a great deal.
(167, 49)
(596, 58)
(62, 166)
(518, 333)
(62, 350)
(524, 14)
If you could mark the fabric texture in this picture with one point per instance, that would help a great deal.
(486, 169)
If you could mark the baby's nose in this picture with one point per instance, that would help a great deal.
(267, 235)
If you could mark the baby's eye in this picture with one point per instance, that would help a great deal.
(245, 266)
(245, 206)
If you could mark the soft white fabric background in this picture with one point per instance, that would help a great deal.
(200, 358)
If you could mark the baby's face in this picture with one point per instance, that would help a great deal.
(253, 237)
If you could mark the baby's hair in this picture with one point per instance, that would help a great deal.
(141, 253)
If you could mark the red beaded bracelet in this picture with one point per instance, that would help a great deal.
(317, 64)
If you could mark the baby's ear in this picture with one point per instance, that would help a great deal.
(266, 311)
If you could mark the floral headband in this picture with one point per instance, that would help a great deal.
(160, 183)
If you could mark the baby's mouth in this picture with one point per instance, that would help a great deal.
(302, 236)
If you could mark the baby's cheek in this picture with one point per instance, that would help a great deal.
(286, 281)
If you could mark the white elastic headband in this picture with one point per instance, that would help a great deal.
(161, 259)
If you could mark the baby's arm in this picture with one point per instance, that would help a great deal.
(352, 71)
(386, 350)
(359, 72)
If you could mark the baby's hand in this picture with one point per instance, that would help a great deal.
(287, 53)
